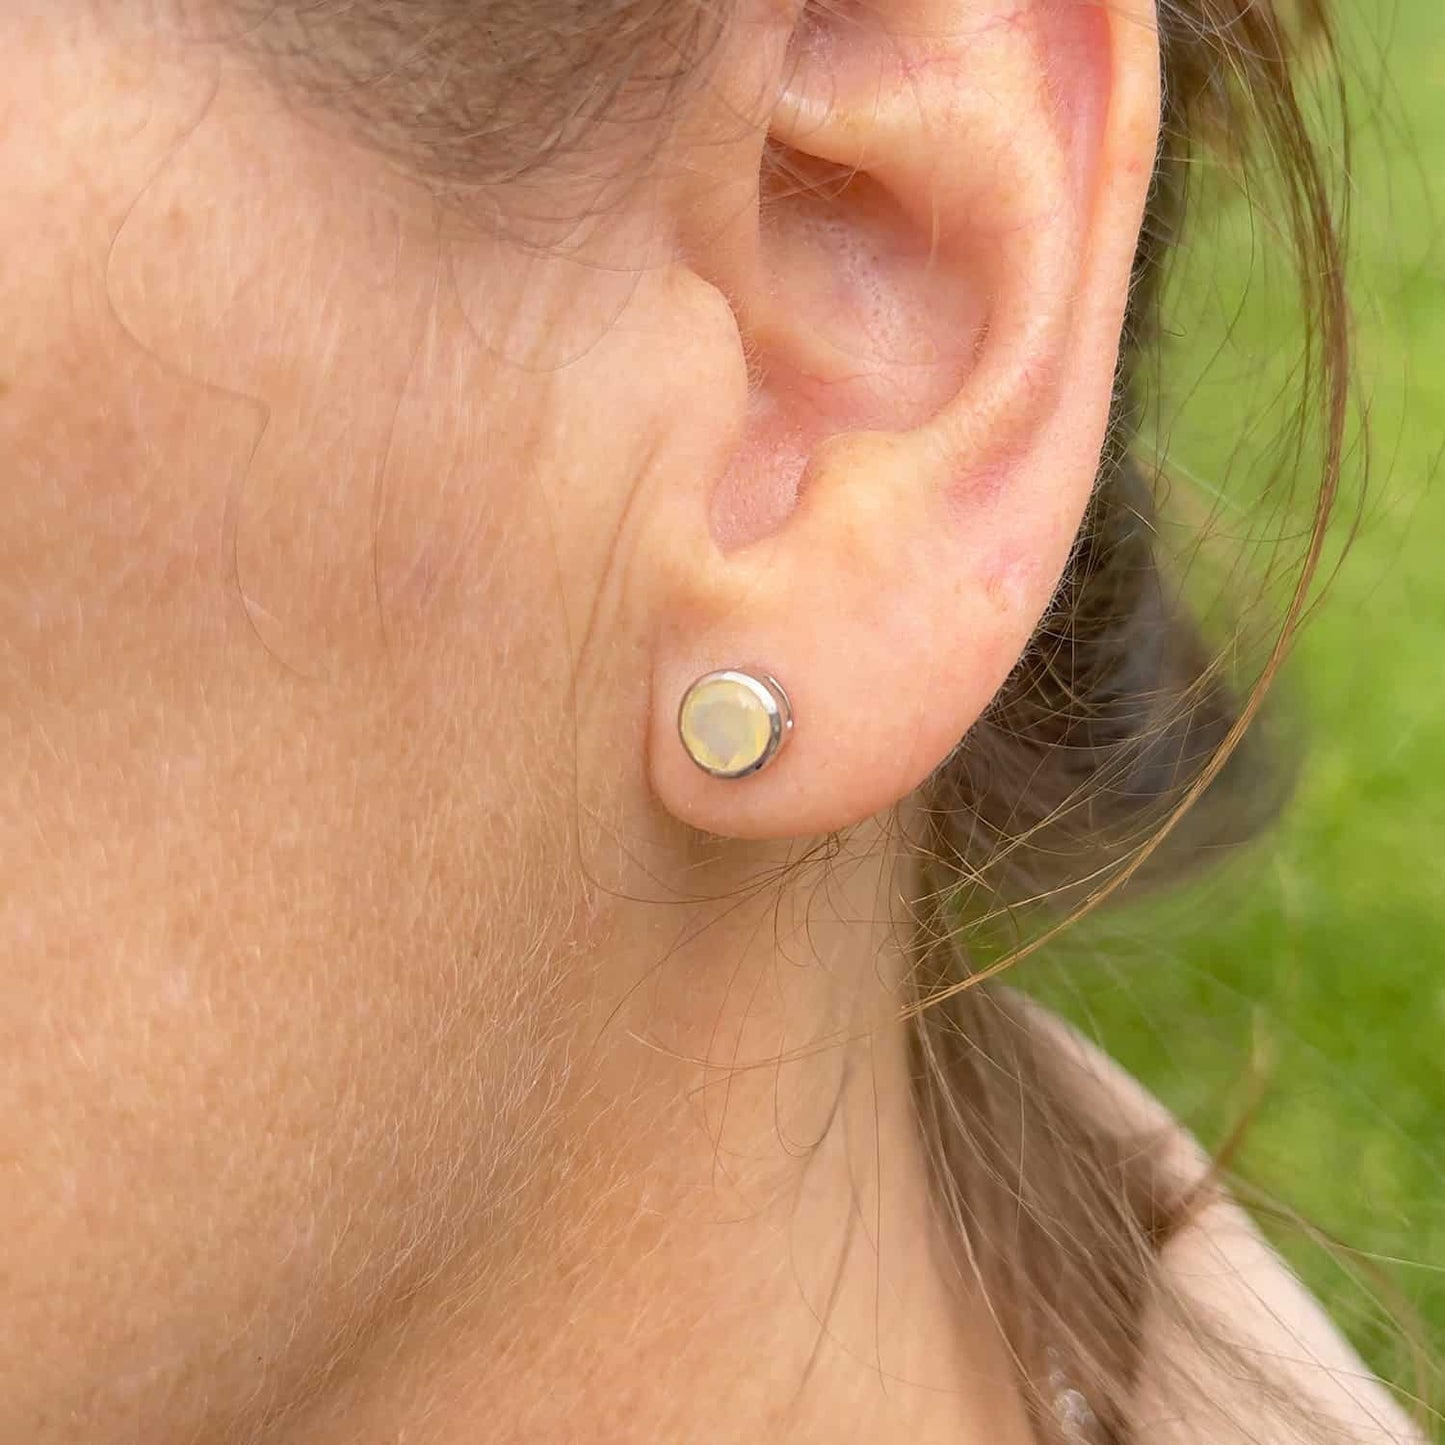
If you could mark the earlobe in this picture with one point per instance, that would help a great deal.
(932, 311)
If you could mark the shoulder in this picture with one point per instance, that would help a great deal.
(1223, 1296)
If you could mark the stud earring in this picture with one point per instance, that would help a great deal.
(732, 723)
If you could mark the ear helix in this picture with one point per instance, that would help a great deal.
(734, 723)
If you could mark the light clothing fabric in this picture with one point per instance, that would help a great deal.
(1221, 1266)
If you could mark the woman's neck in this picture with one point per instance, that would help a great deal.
(728, 1233)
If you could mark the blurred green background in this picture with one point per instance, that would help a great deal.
(1304, 984)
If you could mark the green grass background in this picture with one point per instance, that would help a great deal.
(1309, 976)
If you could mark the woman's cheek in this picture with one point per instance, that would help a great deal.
(244, 807)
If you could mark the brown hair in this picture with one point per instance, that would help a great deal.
(1117, 752)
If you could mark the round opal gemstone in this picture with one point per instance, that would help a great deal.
(731, 723)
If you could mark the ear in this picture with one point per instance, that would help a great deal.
(928, 274)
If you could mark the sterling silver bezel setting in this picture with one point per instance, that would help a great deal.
(775, 702)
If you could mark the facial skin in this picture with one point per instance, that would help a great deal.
(396, 1037)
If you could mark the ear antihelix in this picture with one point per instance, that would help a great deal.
(917, 110)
